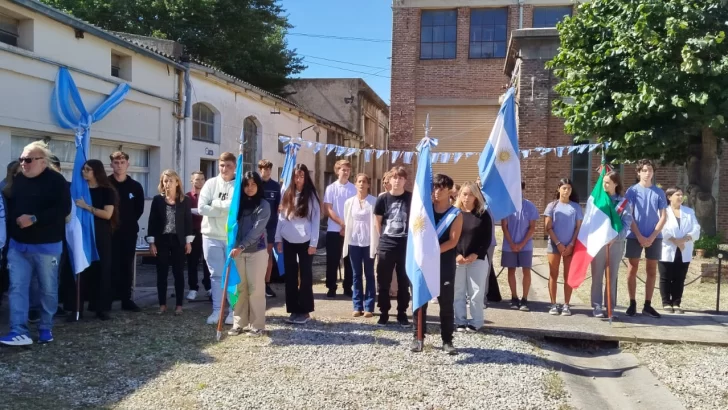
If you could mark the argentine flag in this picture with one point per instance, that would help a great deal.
(423, 247)
(499, 165)
(69, 112)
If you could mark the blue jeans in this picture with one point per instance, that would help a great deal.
(23, 266)
(360, 256)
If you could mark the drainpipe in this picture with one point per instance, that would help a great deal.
(520, 14)
(179, 139)
(187, 107)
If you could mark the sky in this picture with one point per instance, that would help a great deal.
(369, 19)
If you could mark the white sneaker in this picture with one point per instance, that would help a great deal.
(192, 295)
(434, 301)
(229, 319)
(554, 309)
(213, 318)
(565, 310)
(598, 312)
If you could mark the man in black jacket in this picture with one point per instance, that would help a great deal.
(37, 208)
(131, 208)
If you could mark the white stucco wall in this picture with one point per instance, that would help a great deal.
(232, 106)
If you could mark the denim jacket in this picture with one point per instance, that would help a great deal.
(251, 228)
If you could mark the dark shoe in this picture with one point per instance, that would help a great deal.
(103, 316)
(269, 292)
(383, 319)
(524, 306)
(449, 349)
(331, 293)
(130, 306)
(471, 329)
(460, 328)
(348, 293)
(402, 320)
(632, 309)
(71, 317)
(45, 336)
(60, 312)
(292, 318)
(514, 303)
(650, 311)
(34, 316)
(415, 346)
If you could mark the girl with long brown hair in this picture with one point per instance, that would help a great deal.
(104, 207)
(170, 236)
(297, 235)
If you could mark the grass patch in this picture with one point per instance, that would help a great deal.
(554, 386)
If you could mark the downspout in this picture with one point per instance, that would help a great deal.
(187, 105)
(178, 143)
(520, 14)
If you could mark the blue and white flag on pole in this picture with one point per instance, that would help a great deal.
(69, 112)
(499, 166)
(423, 247)
(287, 176)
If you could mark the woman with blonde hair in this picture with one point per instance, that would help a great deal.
(472, 261)
(170, 236)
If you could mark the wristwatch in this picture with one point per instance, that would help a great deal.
(33, 219)
(241, 247)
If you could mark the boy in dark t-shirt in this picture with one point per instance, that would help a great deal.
(392, 213)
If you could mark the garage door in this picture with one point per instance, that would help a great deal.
(459, 129)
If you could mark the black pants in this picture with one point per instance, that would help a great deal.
(170, 251)
(672, 279)
(97, 278)
(334, 250)
(193, 261)
(123, 259)
(299, 299)
(388, 262)
(445, 300)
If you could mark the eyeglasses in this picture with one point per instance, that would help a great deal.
(28, 160)
(86, 169)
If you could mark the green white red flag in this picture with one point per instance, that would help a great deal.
(602, 223)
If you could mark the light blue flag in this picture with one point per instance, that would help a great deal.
(499, 165)
(286, 175)
(69, 112)
(232, 232)
(423, 247)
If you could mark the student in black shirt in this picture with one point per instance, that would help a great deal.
(448, 214)
(272, 194)
(130, 209)
(392, 213)
(104, 207)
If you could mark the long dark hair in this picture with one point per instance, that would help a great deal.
(13, 169)
(615, 178)
(308, 193)
(574, 197)
(247, 202)
(102, 180)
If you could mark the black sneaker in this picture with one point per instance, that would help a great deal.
(632, 309)
(383, 319)
(524, 306)
(460, 328)
(34, 316)
(60, 312)
(415, 346)
(471, 329)
(650, 311)
(514, 303)
(331, 293)
(103, 316)
(130, 306)
(269, 292)
(403, 321)
(348, 293)
(449, 349)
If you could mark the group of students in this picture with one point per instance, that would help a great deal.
(361, 228)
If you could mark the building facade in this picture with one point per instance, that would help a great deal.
(351, 103)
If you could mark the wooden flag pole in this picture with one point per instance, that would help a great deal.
(222, 306)
(420, 326)
(609, 287)
(78, 297)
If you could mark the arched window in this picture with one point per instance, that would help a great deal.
(203, 123)
(250, 145)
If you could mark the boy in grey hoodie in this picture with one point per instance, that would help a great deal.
(214, 206)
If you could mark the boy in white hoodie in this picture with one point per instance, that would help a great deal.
(214, 206)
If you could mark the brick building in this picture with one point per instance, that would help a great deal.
(454, 59)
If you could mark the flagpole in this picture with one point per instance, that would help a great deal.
(78, 296)
(609, 287)
(222, 306)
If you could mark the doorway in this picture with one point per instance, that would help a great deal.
(208, 167)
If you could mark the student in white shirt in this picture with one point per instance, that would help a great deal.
(360, 245)
(334, 198)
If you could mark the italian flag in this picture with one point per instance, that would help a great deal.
(601, 224)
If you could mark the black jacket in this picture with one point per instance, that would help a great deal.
(158, 218)
(131, 204)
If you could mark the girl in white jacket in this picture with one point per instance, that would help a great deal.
(679, 234)
(360, 244)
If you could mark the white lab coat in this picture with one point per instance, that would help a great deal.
(688, 226)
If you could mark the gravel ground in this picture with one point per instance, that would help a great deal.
(144, 362)
(697, 375)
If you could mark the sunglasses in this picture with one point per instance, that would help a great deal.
(28, 160)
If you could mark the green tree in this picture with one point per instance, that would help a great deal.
(651, 78)
(245, 38)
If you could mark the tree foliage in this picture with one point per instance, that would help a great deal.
(245, 38)
(647, 76)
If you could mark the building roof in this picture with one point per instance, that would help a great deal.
(362, 85)
(87, 27)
